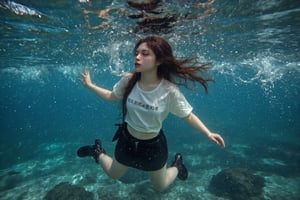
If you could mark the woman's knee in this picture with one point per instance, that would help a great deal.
(115, 176)
(159, 179)
(160, 187)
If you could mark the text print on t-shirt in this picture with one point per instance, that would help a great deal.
(143, 105)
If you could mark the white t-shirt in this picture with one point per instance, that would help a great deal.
(146, 110)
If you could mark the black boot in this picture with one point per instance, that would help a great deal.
(178, 163)
(91, 150)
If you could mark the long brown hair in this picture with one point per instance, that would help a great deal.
(177, 71)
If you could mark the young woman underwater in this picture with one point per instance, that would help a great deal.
(148, 95)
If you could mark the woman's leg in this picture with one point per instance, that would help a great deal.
(163, 178)
(112, 167)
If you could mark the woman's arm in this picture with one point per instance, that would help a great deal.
(196, 123)
(104, 94)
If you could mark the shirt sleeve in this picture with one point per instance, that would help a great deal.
(119, 87)
(179, 106)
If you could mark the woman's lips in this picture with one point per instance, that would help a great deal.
(137, 64)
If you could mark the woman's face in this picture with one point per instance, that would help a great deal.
(145, 59)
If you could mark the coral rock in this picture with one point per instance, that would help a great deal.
(66, 191)
(237, 184)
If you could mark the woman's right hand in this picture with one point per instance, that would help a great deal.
(105, 94)
(85, 78)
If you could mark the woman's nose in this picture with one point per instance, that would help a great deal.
(137, 57)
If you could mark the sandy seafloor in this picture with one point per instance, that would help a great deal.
(33, 179)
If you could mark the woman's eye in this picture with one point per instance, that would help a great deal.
(143, 53)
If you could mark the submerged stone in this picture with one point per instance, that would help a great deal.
(66, 191)
(10, 180)
(237, 184)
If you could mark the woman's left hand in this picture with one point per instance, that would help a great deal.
(216, 138)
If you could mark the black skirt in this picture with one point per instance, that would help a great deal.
(147, 155)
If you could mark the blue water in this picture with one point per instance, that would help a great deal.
(46, 114)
